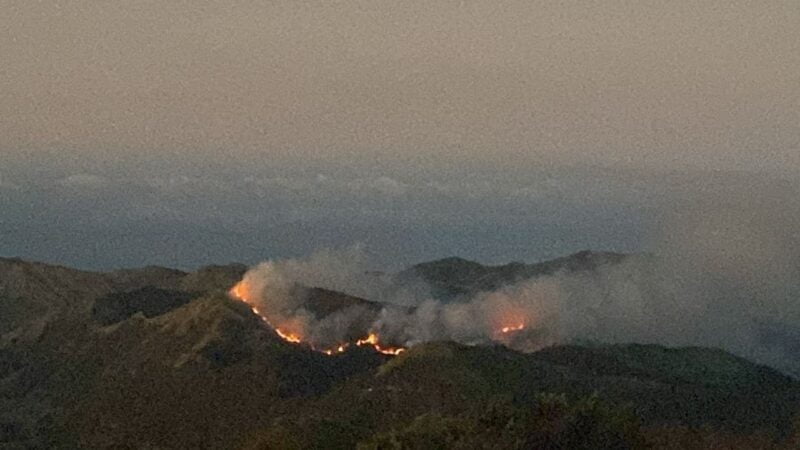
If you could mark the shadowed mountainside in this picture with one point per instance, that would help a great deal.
(164, 358)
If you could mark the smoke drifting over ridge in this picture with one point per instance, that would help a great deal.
(722, 279)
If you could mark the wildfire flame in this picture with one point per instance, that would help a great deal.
(241, 293)
(332, 351)
(288, 336)
(372, 339)
(512, 328)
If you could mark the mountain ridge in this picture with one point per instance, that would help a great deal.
(455, 278)
(205, 371)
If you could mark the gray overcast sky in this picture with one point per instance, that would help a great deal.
(187, 132)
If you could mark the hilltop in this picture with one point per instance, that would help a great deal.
(453, 278)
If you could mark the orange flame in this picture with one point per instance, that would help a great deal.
(333, 351)
(288, 336)
(512, 328)
(394, 351)
(372, 339)
(241, 292)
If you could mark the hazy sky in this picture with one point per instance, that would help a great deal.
(186, 132)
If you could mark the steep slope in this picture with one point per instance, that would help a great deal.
(32, 295)
(199, 376)
(686, 387)
(46, 321)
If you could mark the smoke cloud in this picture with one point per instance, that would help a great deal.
(722, 278)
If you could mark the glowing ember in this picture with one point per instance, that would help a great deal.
(334, 351)
(512, 328)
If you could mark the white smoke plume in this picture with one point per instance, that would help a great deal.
(279, 291)
(722, 279)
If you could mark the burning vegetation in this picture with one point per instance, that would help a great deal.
(296, 329)
(512, 328)
(330, 302)
(373, 340)
(286, 332)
